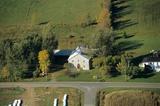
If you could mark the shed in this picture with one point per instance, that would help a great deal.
(60, 56)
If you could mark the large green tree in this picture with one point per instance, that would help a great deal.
(20, 55)
(104, 43)
(49, 42)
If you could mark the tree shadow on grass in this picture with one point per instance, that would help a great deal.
(121, 24)
(119, 9)
(144, 75)
(55, 68)
(137, 60)
(123, 46)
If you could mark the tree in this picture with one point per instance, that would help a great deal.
(71, 71)
(49, 43)
(44, 61)
(133, 71)
(102, 65)
(5, 73)
(122, 67)
(4, 46)
(99, 62)
(103, 18)
(22, 57)
(103, 72)
(111, 62)
(105, 43)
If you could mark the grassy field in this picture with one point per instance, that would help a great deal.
(47, 96)
(64, 18)
(15, 12)
(141, 20)
(128, 97)
(88, 76)
(138, 18)
(40, 96)
(8, 95)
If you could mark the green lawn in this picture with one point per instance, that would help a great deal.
(55, 11)
(141, 19)
(8, 95)
(64, 18)
(83, 76)
(88, 76)
(138, 17)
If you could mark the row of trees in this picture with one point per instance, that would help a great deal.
(111, 60)
(19, 57)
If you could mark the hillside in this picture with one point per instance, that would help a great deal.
(63, 17)
(15, 12)
(140, 19)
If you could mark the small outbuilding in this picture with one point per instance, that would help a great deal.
(61, 56)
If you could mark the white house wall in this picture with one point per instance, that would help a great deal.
(154, 65)
(159, 63)
(82, 61)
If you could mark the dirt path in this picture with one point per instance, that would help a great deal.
(29, 97)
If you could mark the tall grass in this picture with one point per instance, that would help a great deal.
(129, 97)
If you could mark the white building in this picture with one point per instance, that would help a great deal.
(153, 62)
(79, 60)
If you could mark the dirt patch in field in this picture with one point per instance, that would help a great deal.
(29, 97)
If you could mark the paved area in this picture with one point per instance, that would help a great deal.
(89, 88)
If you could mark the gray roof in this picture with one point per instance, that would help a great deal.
(151, 59)
(66, 52)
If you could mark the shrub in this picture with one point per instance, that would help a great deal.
(71, 71)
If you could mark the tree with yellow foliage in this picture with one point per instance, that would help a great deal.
(5, 73)
(103, 18)
(44, 61)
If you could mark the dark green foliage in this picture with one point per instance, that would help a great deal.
(130, 71)
(71, 71)
(49, 43)
(106, 66)
(36, 73)
(112, 62)
(5, 46)
(21, 55)
(133, 71)
(104, 43)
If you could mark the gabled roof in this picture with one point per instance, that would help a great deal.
(155, 57)
(151, 59)
(78, 52)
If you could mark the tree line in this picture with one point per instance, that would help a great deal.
(21, 57)
(111, 59)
